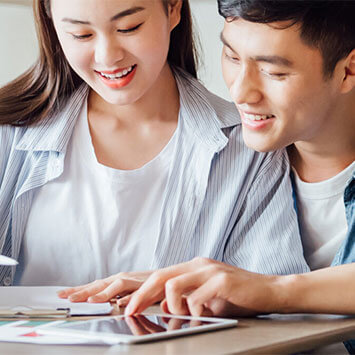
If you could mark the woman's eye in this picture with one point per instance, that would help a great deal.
(81, 37)
(132, 29)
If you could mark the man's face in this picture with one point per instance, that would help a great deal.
(277, 84)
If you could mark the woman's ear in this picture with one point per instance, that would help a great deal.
(174, 9)
(349, 73)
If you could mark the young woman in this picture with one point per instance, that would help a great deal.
(114, 158)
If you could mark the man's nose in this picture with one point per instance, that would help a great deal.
(246, 88)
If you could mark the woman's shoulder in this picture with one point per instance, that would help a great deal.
(51, 132)
(225, 110)
(9, 135)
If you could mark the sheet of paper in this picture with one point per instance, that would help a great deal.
(46, 298)
(4, 260)
(26, 332)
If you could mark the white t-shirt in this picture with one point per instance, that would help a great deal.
(93, 221)
(321, 214)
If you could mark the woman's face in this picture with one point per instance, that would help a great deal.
(118, 47)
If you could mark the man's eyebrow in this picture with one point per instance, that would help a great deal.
(121, 14)
(272, 59)
(224, 41)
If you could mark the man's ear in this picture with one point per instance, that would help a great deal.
(174, 9)
(349, 73)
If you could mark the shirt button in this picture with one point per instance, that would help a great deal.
(7, 281)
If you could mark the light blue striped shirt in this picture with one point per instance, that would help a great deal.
(223, 200)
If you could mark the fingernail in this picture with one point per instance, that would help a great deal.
(127, 311)
(94, 299)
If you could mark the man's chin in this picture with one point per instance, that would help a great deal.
(259, 146)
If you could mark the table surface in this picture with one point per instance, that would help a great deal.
(272, 334)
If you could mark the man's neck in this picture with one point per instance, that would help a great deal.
(313, 166)
(330, 149)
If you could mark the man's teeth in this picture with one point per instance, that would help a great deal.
(257, 117)
(118, 74)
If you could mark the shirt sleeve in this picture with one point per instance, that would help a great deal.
(265, 237)
(6, 141)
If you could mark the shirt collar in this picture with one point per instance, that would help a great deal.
(205, 121)
(54, 132)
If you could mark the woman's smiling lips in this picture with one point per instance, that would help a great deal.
(118, 78)
(256, 121)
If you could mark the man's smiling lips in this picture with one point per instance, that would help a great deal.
(256, 121)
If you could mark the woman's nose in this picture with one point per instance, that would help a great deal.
(108, 53)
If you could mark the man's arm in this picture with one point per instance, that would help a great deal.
(204, 286)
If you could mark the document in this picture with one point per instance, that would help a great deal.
(5, 260)
(22, 299)
(26, 332)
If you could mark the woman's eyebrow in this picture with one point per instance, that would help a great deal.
(128, 12)
(119, 15)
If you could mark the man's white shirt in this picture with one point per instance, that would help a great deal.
(321, 214)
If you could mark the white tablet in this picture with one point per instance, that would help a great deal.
(136, 329)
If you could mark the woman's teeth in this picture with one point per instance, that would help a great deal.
(117, 75)
(257, 117)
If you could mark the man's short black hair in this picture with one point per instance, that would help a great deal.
(326, 25)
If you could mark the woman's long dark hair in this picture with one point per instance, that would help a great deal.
(40, 90)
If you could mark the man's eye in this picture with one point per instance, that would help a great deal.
(231, 58)
(132, 29)
(275, 75)
(81, 37)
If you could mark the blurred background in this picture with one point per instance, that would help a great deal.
(18, 44)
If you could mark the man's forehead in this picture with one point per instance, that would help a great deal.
(281, 46)
(276, 35)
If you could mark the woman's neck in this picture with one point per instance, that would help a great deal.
(159, 103)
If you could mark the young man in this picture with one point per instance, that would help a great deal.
(290, 67)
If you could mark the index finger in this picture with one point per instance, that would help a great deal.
(153, 289)
(65, 293)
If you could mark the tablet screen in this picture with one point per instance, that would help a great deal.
(135, 325)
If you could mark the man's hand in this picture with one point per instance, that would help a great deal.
(207, 287)
(122, 284)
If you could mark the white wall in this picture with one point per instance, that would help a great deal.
(209, 25)
(18, 46)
